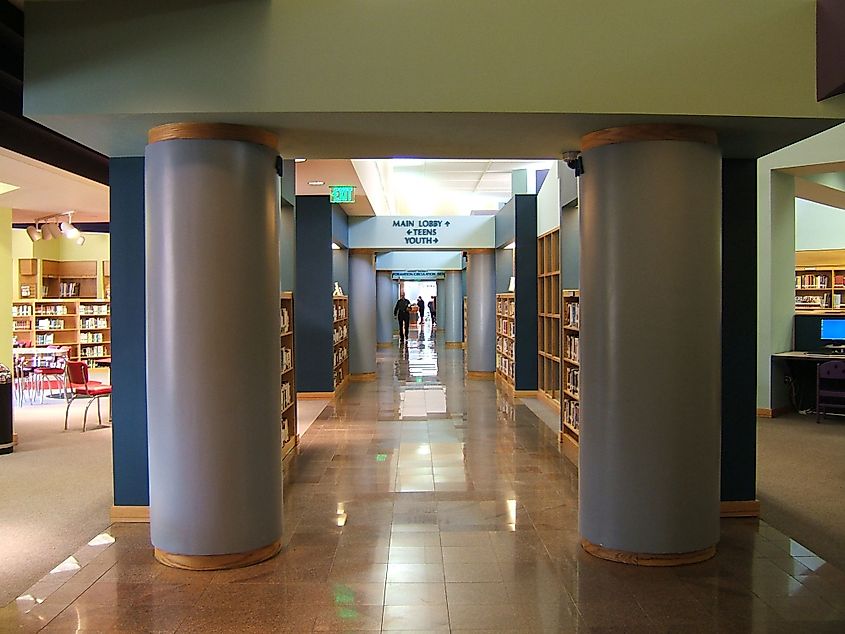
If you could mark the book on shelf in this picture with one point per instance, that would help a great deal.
(285, 319)
(287, 394)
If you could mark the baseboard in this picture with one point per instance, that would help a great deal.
(14, 439)
(525, 393)
(305, 396)
(454, 344)
(480, 376)
(129, 514)
(387, 344)
(569, 448)
(362, 376)
(741, 508)
(766, 412)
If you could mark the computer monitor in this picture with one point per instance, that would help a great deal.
(833, 330)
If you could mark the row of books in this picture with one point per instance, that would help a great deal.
(570, 347)
(94, 351)
(287, 395)
(813, 280)
(69, 289)
(91, 337)
(506, 327)
(505, 365)
(506, 307)
(24, 310)
(52, 309)
(93, 309)
(50, 324)
(340, 355)
(287, 359)
(572, 412)
(286, 427)
(571, 380)
(100, 323)
(338, 376)
(505, 346)
(340, 333)
(44, 340)
(339, 311)
(815, 301)
(572, 318)
(285, 319)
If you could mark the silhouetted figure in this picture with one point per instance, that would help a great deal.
(402, 311)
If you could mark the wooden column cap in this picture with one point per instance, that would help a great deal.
(213, 131)
(648, 132)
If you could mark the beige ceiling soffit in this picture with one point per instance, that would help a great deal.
(808, 190)
(371, 182)
(821, 168)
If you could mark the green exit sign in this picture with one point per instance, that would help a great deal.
(342, 193)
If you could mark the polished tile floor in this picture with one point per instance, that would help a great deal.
(425, 502)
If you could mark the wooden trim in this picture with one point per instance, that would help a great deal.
(387, 344)
(219, 562)
(525, 393)
(314, 395)
(454, 344)
(820, 258)
(362, 376)
(490, 250)
(569, 448)
(648, 132)
(480, 376)
(129, 514)
(741, 508)
(14, 438)
(213, 132)
(766, 412)
(648, 559)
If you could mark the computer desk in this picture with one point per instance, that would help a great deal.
(801, 368)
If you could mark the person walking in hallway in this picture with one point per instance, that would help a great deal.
(432, 310)
(402, 312)
(421, 307)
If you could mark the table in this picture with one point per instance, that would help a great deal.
(801, 371)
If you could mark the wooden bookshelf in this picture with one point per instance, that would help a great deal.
(820, 280)
(23, 322)
(340, 336)
(107, 279)
(571, 408)
(548, 317)
(94, 329)
(506, 338)
(28, 278)
(68, 279)
(290, 436)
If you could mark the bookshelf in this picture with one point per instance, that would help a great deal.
(340, 336)
(94, 330)
(548, 317)
(84, 326)
(28, 278)
(290, 437)
(68, 279)
(820, 280)
(107, 279)
(506, 337)
(571, 408)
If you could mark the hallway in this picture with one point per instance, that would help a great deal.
(424, 501)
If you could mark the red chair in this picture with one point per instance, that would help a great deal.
(79, 386)
(54, 368)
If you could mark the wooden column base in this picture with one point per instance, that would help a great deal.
(387, 344)
(363, 376)
(648, 559)
(742, 508)
(480, 376)
(130, 514)
(454, 344)
(219, 562)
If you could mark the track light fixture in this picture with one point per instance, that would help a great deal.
(55, 226)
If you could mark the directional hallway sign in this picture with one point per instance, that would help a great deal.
(429, 233)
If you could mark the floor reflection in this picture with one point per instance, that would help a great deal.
(423, 501)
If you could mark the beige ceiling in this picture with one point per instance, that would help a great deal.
(44, 190)
(332, 172)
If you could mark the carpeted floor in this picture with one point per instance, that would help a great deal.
(801, 481)
(55, 492)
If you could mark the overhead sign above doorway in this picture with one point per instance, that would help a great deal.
(342, 194)
(414, 276)
(438, 232)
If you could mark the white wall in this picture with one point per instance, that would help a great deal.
(548, 202)
(818, 226)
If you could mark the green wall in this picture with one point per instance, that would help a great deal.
(548, 202)
(818, 226)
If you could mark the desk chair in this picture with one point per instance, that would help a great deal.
(80, 386)
(830, 388)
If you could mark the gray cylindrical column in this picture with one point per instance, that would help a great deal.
(395, 292)
(481, 314)
(362, 315)
(385, 301)
(452, 308)
(441, 285)
(213, 350)
(650, 344)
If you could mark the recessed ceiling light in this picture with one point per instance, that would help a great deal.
(316, 183)
(5, 188)
(299, 160)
